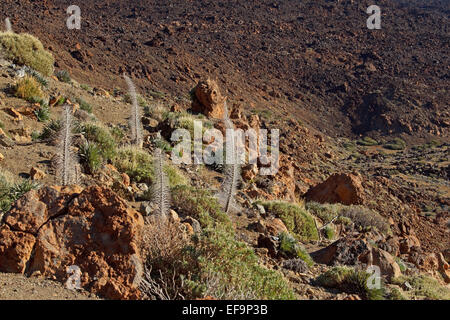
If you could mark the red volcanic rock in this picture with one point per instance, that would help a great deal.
(54, 228)
(339, 188)
(15, 250)
(208, 99)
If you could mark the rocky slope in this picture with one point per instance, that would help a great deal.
(312, 60)
(339, 201)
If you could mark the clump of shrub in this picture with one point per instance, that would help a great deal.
(363, 218)
(234, 269)
(43, 113)
(136, 163)
(424, 287)
(325, 212)
(63, 76)
(329, 232)
(199, 204)
(367, 141)
(290, 248)
(11, 189)
(90, 154)
(38, 76)
(51, 130)
(395, 144)
(99, 134)
(28, 89)
(350, 281)
(141, 100)
(185, 120)
(84, 105)
(26, 50)
(297, 220)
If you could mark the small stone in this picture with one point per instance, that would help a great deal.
(145, 209)
(173, 216)
(261, 209)
(16, 115)
(37, 174)
(194, 223)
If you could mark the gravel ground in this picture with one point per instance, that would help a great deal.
(19, 287)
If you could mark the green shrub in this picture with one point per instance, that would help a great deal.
(28, 89)
(141, 101)
(395, 144)
(213, 263)
(25, 49)
(11, 189)
(199, 204)
(163, 145)
(395, 294)
(326, 212)
(424, 287)
(362, 217)
(235, 270)
(84, 105)
(51, 130)
(329, 232)
(90, 155)
(350, 281)
(117, 134)
(176, 178)
(43, 113)
(297, 220)
(102, 137)
(291, 248)
(86, 87)
(63, 76)
(136, 163)
(38, 76)
(365, 218)
(367, 141)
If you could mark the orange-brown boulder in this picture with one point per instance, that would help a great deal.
(15, 250)
(208, 99)
(339, 188)
(52, 229)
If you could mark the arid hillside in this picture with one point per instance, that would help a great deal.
(95, 204)
(311, 60)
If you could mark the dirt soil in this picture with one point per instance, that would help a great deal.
(312, 60)
(18, 287)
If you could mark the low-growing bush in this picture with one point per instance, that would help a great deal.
(297, 220)
(136, 163)
(199, 204)
(90, 155)
(367, 141)
(84, 105)
(28, 89)
(395, 144)
(350, 281)
(43, 113)
(290, 248)
(25, 49)
(325, 212)
(11, 189)
(63, 76)
(51, 130)
(424, 287)
(363, 218)
(212, 263)
(101, 136)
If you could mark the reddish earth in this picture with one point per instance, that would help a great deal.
(310, 60)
